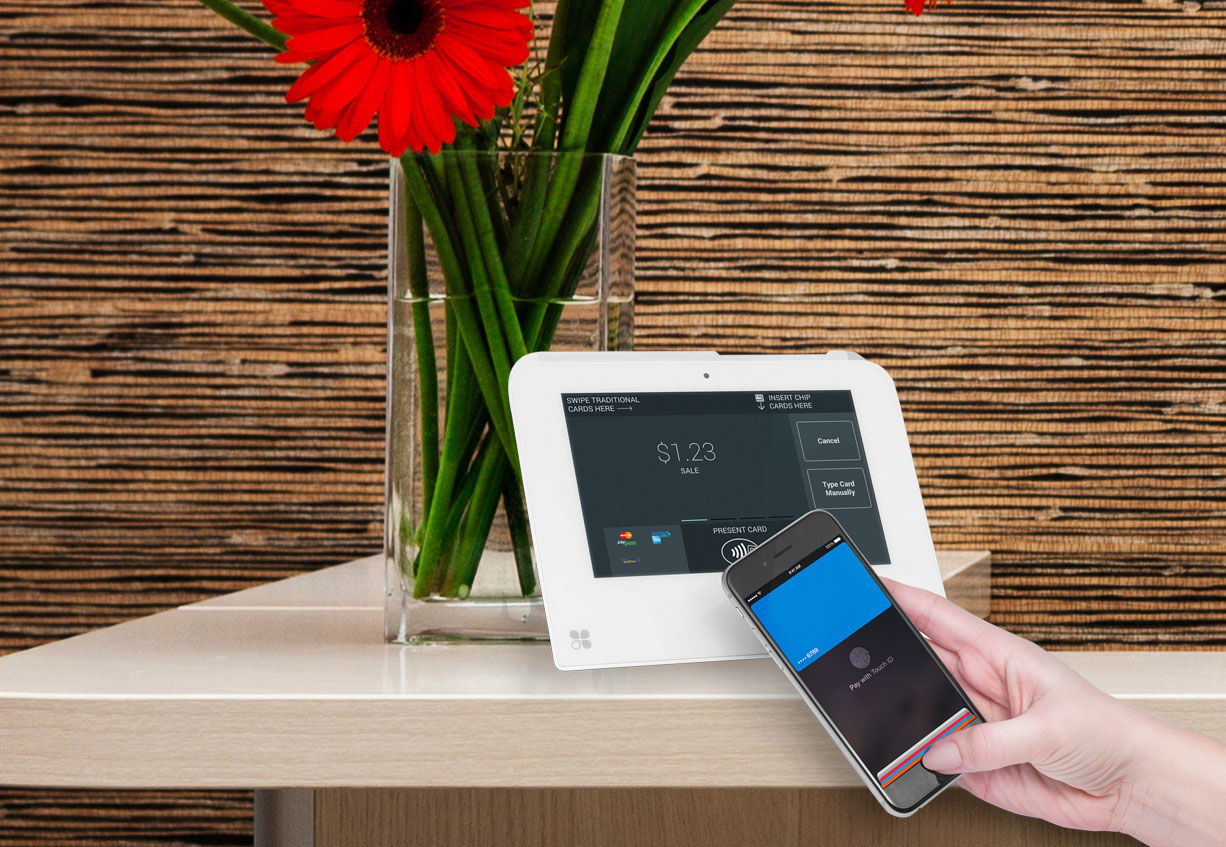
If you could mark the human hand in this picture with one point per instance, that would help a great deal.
(1053, 746)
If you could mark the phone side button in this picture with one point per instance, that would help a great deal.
(738, 611)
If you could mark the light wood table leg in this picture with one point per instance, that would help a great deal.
(560, 817)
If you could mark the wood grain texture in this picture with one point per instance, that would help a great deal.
(340, 712)
(107, 818)
(1015, 207)
(669, 818)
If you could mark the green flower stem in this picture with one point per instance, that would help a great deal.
(433, 558)
(463, 507)
(487, 379)
(555, 286)
(449, 327)
(244, 20)
(470, 330)
(474, 447)
(582, 106)
(474, 531)
(584, 202)
(455, 543)
(527, 221)
(536, 177)
(486, 162)
(452, 537)
(423, 338)
(579, 113)
(517, 523)
(466, 420)
(553, 315)
(492, 320)
(453, 459)
(487, 252)
(557, 202)
(434, 175)
(551, 81)
(486, 308)
(672, 31)
(552, 310)
(461, 516)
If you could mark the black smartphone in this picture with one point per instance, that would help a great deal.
(856, 659)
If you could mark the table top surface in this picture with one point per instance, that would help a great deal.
(291, 684)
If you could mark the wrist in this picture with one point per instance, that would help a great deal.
(1145, 810)
(1168, 794)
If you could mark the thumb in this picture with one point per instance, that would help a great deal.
(986, 747)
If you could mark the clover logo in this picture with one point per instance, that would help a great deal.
(580, 639)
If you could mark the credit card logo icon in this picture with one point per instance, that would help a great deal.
(626, 534)
(658, 537)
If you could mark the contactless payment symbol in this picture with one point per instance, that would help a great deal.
(736, 548)
(658, 537)
(580, 639)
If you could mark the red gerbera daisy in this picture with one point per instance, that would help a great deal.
(917, 6)
(418, 64)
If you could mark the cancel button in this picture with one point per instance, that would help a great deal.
(828, 441)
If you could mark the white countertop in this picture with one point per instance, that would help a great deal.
(290, 685)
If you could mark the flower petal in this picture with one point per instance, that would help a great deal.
(292, 21)
(326, 70)
(479, 96)
(501, 53)
(323, 41)
(360, 112)
(462, 54)
(486, 16)
(394, 113)
(448, 88)
(438, 122)
(415, 126)
(330, 102)
(501, 4)
(355, 76)
(319, 8)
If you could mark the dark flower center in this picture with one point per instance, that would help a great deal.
(404, 16)
(402, 29)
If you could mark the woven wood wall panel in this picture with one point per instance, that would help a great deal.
(1016, 208)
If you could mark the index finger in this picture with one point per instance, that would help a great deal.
(944, 622)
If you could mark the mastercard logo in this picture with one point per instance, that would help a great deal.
(626, 535)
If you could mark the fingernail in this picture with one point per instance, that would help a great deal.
(943, 757)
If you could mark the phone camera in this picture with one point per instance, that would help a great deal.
(706, 376)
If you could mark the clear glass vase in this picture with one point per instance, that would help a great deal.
(459, 563)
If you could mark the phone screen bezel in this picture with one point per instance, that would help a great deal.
(801, 540)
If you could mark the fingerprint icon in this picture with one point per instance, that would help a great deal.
(736, 548)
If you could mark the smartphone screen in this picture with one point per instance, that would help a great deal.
(875, 679)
